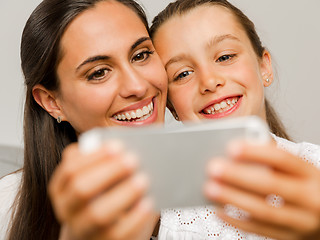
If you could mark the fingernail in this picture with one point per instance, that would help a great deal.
(130, 161)
(217, 168)
(140, 181)
(114, 146)
(146, 204)
(234, 149)
(212, 190)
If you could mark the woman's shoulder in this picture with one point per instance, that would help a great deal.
(309, 152)
(10, 182)
(9, 186)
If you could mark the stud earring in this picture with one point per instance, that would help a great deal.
(59, 119)
(267, 80)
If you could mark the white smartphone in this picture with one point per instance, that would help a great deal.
(175, 158)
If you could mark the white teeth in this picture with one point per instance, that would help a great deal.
(217, 107)
(139, 113)
(145, 110)
(222, 106)
(136, 115)
(133, 115)
(128, 116)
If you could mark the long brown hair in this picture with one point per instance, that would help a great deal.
(44, 138)
(181, 7)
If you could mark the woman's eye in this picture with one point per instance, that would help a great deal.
(225, 58)
(142, 56)
(98, 75)
(182, 75)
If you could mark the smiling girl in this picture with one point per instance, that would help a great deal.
(217, 68)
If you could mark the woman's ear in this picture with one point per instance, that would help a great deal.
(266, 69)
(172, 110)
(47, 100)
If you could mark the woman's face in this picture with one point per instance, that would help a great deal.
(211, 65)
(109, 73)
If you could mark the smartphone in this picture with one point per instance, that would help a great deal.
(175, 158)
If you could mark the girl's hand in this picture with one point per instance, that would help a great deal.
(100, 195)
(257, 172)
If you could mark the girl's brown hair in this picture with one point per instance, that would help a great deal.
(44, 138)
(181, 7)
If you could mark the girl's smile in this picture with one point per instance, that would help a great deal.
(213, 70)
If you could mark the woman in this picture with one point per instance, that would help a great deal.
(86, 63)
(217, 68)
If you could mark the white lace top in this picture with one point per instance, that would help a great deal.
(201, 223)
(198, 223)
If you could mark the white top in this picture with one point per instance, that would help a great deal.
(198, 223)
(8, 191)
(202, 223)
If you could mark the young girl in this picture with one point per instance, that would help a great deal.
(218, 68)
(86, 63)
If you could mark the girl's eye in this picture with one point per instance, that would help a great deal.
(98, 75)
(225, 57)
(142, 56)
(183, 75)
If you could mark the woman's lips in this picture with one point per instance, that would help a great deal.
(222, 108)
(142, 113)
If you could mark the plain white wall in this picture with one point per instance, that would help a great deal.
(288, 28)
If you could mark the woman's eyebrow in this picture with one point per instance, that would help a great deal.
(139, 41)
(104, 57)
(92, 59)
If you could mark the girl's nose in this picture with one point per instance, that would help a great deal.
(209, 80)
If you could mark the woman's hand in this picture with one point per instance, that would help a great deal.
(258, 172)
(100, 195)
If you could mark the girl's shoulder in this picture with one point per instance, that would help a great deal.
(309, 152)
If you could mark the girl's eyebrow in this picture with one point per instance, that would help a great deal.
(105, 57)
(218, 39)
(174, 60)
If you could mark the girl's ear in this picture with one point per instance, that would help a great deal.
(266, 69)
(172, 110)
(47, 100)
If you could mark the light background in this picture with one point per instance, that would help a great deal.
(288, 28)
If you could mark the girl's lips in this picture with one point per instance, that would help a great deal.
(221, 108)
(139, 114)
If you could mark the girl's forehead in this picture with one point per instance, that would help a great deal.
(205, 20)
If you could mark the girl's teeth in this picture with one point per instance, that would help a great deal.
(222, 106)
(217, 107)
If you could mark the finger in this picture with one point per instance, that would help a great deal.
(138, 223)
(89, 183)
(259, 209)
(73, 160)
(271, 156)
(256, 227)
(110, 206)
(261, 180)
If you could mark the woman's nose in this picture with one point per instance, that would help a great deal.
(133, 84)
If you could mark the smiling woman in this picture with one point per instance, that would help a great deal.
(86, 63)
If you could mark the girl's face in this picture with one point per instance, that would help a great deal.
(211, 65)
(109, 73)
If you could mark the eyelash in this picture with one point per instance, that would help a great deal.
(229, 56)
(180, 76)
(147, 53)
(91, 77)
